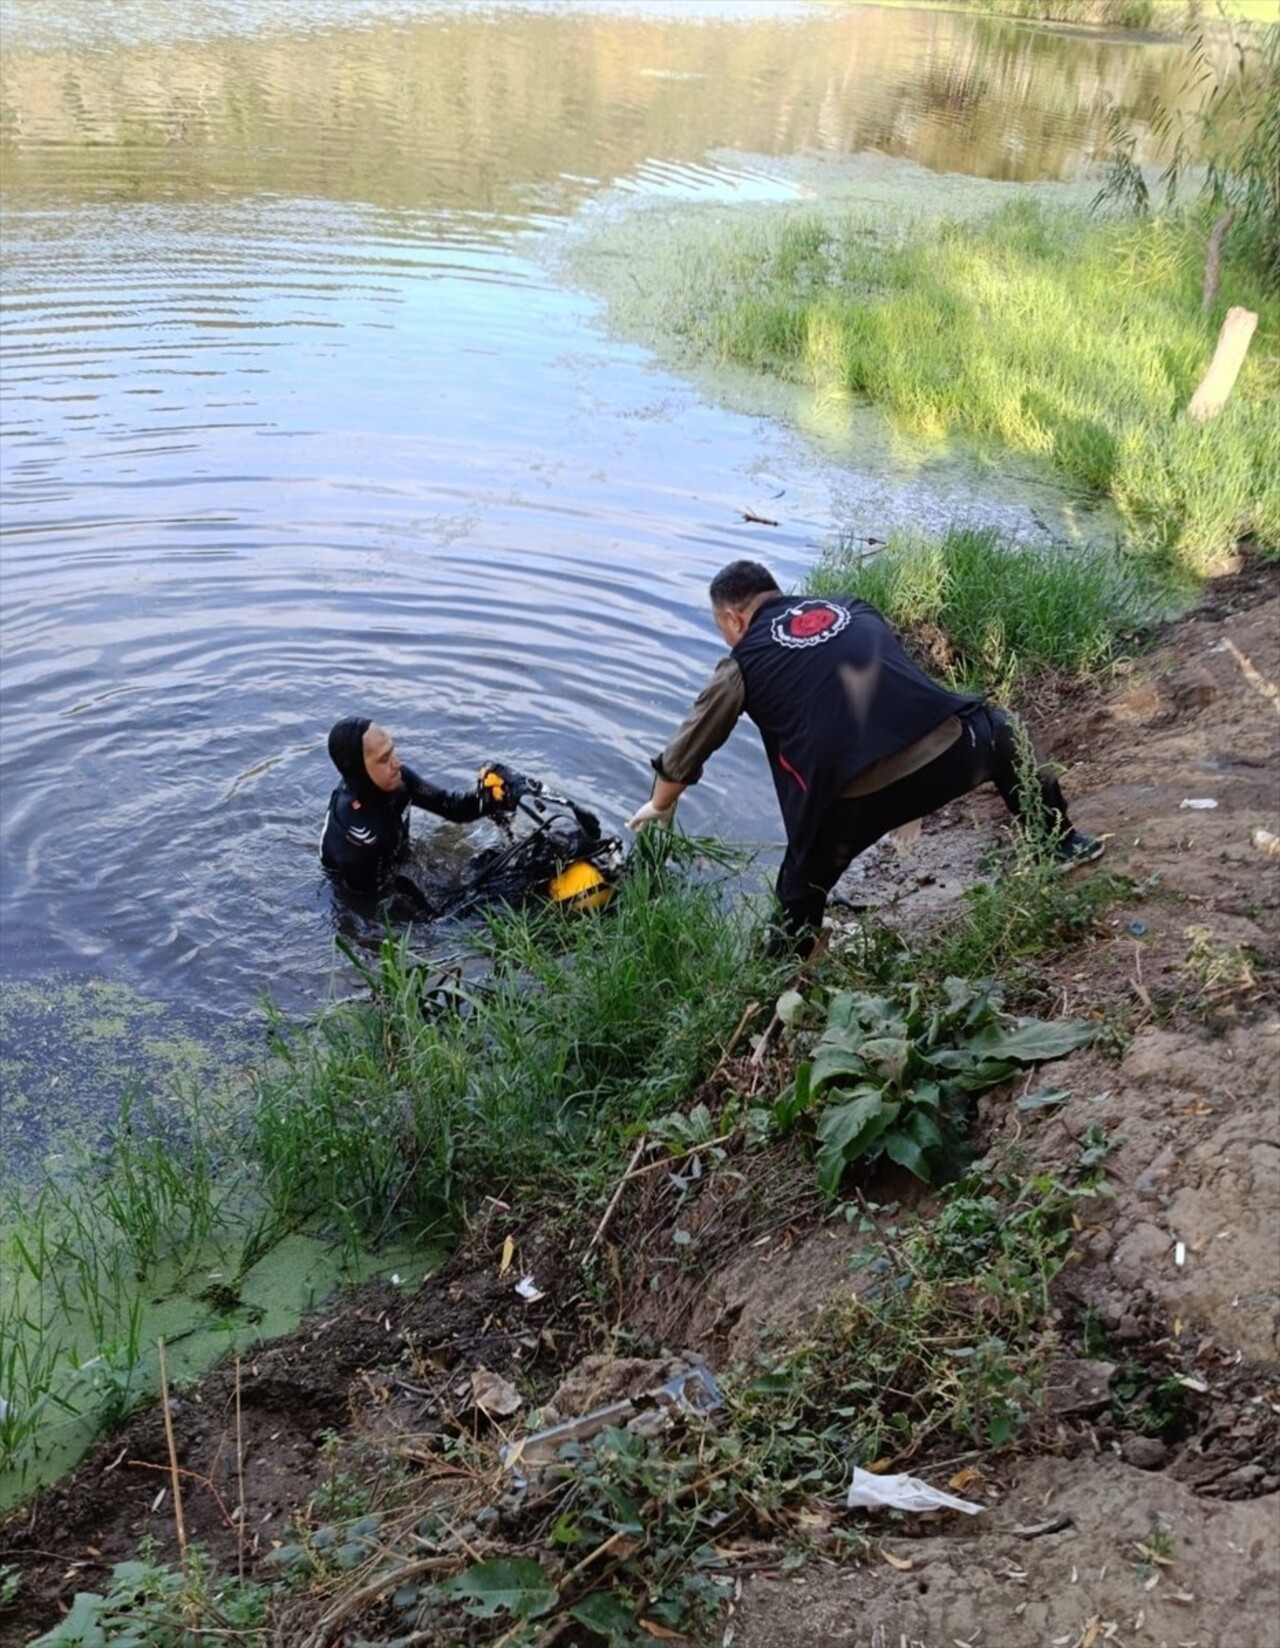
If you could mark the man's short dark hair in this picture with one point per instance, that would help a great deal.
(740, 582)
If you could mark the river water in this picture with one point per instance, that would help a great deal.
(303, 417)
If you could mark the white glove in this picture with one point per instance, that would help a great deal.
(649, 814)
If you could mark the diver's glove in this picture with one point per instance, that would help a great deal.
(649, 814)
(499, 788)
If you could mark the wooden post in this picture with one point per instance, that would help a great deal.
(1218, 382)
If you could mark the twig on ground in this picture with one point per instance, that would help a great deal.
(204, 1481)
(762, 1046)
(326, 1626)
(613, 1200)
(592, 1556)
(239, 1474)
(173, 1453)
(679, 1156)
(1033, 1530)
(750, 1011)
(1254, 677)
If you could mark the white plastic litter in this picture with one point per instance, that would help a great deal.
(527, 1288)
(902, 1493)
(1198, 804)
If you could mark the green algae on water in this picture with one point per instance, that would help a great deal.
(70, 1048)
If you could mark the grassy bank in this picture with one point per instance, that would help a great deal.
(1051, 333)
(1099, 14)
(162, 1232)
(399, 1113)
(945, 1348)
(367, 1138)
(394, 1114)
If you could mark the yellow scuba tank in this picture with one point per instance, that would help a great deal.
(580, 886)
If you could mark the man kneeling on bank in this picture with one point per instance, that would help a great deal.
(859, 739)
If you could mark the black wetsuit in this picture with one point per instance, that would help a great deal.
(366, 832)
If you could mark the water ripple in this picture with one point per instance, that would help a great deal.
(298, 420)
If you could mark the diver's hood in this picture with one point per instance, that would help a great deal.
(346, 751)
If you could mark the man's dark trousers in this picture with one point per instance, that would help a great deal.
(988, 749)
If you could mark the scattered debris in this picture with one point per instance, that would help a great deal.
(902, 1493)
(1266, 842)
(1078, 1385)
(692, 1390)
(1198, 804)
(491, 1393)
(1034, 1530)
(1044, 1098)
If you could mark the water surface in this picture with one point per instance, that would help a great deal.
(303, 416)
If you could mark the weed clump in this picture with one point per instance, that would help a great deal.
(990, 613)
(392, 1116)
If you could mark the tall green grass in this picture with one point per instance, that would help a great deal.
(1001, 611)
(394, 1113)
(389, 1115)
(1050, 332)
(78, 1248)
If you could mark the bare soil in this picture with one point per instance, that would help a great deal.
(1105, 1531)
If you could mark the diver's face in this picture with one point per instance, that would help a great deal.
(380, 759)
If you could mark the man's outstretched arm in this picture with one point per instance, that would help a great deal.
(708, 724)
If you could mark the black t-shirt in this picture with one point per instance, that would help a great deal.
(366, 835)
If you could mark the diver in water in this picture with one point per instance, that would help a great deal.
(366, 832)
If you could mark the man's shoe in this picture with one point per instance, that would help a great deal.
(1076, 848)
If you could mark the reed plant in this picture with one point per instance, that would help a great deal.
(83, 1247)
(62, 1312)
(1049, 332)
(158, 1183)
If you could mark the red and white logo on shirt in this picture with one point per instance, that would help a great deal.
(808, 624)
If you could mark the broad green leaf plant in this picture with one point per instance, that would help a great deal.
(888, 1076)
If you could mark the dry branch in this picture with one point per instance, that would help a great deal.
(179, 1520)
(613, 1200)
